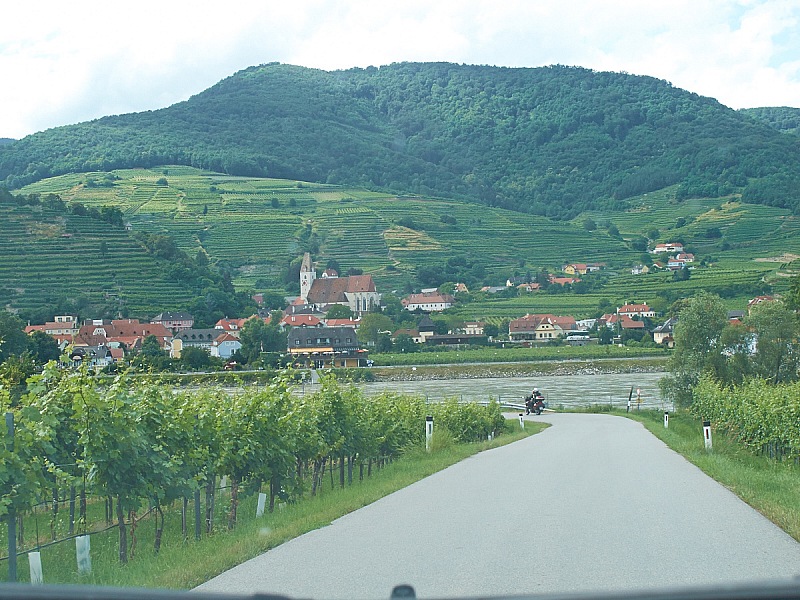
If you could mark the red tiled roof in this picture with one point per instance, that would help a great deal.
(333, 290)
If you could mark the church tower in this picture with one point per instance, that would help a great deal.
(307, 275)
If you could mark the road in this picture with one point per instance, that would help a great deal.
(593, 503)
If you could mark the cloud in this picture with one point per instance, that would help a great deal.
(67, 62)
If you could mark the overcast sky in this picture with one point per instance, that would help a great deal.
(65, 62)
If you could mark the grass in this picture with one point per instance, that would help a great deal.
(186, 564)
(769, 486)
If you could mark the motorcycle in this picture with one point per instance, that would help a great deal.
(534, 404)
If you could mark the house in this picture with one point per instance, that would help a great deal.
(540, 327)
(473, 327)
(668, 248)
(563, 280)
(685, 257)
(326, 347)
(758, 300)
(61, 325)
(640, 270)
(198, 338)
(426, 328)
(493, 289)
(663, 333)
(428, 301)
(460, 288)
(576, 269)
(634, 310)
(414, 334)
(674, 264)
(116, 333)
(96, 357)
(301, 320)
(350, 322)
(736, 316)
(585, 324)
(225, 345)
(231, 325)
(529, 287)
(623, 321)
(174, 321)
(515, 281)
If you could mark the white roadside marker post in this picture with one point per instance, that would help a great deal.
(35, 563)
(666, 419)
(707, 434)
(82, 551)
(262, 502)
(521, 421)
(428, 432)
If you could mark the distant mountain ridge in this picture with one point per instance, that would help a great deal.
(553, 141)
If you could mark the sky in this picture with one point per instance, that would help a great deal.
(67, 62)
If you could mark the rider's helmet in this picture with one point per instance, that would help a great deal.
(535, 390)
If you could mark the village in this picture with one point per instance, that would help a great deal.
(317, 336)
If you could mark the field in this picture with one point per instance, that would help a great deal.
(256, 227)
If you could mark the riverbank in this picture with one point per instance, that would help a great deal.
(521, 369)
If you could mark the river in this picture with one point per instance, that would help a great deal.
(559, 390)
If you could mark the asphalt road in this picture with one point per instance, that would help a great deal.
(593, 503)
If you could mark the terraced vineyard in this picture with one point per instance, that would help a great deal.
(46, 256)
(257, 226)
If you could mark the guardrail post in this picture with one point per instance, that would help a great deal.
(707, 434)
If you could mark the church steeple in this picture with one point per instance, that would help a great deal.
(307, 275)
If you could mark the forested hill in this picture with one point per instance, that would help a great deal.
(782, 118)
(552, 141)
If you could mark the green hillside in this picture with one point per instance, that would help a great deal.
(551, 141)
(49, 258)
(256, 228)
(782, 118)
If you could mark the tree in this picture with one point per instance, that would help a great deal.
(43, 347)
(371, 326)
(606, 336)
(13, 340)
(195, 358)
(589, 224)
(339, 311)
(491, 330)
(775, 328)
(151, 348)
(682, 274)
(698, 347)
(257, 336)
(404, 343)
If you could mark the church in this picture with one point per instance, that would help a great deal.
(357, 292)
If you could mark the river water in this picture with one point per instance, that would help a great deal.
(559, 390)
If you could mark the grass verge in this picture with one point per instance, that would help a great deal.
(770, 486)
(185, 564)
